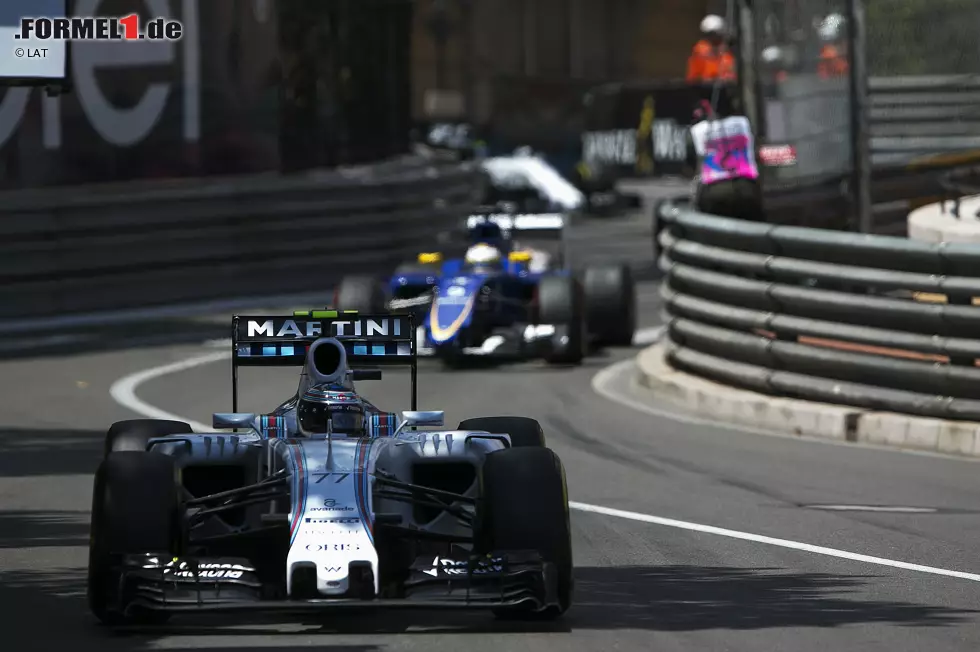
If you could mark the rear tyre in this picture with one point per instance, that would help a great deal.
(134, 510)
(610, 296)
(561, 302)
(361, 293)
(525, 507)
(524, 432)
(135, 434)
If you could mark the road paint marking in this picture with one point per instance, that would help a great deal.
(123, 391)
(891, 509)
(771, 541)
(648, 336)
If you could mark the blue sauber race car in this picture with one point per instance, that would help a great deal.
(512, 295)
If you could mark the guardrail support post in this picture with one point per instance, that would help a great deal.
(860, 129)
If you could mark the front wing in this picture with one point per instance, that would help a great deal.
(175, 584)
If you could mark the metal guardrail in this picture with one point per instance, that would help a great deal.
(917, 118)
(140, 245)
(822, 315)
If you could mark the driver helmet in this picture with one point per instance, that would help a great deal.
(830, 28)
(713, 24)
(487, 232)
(335, 405)
(483, 255)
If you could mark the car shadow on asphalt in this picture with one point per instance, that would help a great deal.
(653, 598)
(691, 598)
(28, 452)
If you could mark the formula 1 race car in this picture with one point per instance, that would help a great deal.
(512, 295)
(328, 502)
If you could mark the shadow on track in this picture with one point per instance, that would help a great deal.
(652, 598)
(690, 598)
(31, 529)
(39, 452)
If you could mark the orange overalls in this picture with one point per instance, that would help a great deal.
(708, 63)
(832, 63)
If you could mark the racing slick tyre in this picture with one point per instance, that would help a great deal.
(134, 434)
(525, 507)
(134, 510)
(361, 293)
(524, 432)
(561, 302)
(610, 297)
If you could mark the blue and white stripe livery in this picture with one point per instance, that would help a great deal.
(332, 520)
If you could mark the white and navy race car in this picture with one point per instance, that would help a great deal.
(328, 502)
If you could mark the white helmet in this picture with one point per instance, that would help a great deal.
(772, 54)
(482, 254)
(713, 24)
(830, 27)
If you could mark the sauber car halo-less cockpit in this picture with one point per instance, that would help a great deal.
(328, 501)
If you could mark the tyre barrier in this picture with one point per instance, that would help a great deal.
(125, 246)
(822, 315)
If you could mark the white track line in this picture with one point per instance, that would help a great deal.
(647, 336)
(782, 543)
(123, 391)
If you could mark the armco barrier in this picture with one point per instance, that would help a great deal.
(922, 117)
(823, 315)
(138, 245)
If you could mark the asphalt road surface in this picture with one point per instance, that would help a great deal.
(688, 536)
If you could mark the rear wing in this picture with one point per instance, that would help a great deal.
(540, 223)
(283, 341)
(530, 229)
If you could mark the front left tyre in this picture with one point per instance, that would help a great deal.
(524, 506)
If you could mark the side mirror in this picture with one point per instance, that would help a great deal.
(365, 374)
(230, 420)
(424, 418)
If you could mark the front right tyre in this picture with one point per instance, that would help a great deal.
(134, 510)
(523, 431)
